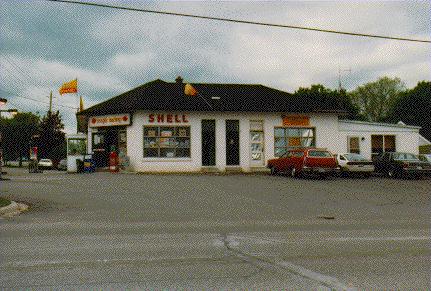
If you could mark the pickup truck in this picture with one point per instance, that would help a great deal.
(298, 162)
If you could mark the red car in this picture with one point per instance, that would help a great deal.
(304, 161)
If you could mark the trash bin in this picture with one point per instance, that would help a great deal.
(89, 165)
(79, 166)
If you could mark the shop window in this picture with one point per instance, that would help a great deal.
(286, 138)
(354, 145)
(166, 142)
(382, 143)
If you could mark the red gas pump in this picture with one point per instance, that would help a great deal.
(113, 161)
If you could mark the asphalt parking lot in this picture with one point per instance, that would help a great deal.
(121, 231)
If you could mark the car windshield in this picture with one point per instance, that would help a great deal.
(355, 157)
(405, 156)
(320, 154)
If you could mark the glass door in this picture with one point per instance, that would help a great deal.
(257, 158)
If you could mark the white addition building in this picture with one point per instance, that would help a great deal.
(156, 127)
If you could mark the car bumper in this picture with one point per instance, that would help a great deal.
(363, 169)
(319, 170)
(417, 171)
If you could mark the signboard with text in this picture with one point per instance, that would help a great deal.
(296, 120)
(109, 120)
(167, 118)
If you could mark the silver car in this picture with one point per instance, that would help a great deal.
(355, 163)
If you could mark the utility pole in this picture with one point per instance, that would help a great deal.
(339, 76)
(50, 102)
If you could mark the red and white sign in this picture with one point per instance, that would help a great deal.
(109, 120)
(167, 118)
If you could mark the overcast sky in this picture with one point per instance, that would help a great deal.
(44, 44)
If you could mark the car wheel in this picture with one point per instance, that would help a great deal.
(273, 171)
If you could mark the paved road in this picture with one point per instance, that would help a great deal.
(245, 231)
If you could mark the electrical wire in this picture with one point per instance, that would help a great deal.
(35, 100)
(21, 72)
(242, 21)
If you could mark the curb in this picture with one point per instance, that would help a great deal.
(12, 209)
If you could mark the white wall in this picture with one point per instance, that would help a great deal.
(406, 137)
(326, 136)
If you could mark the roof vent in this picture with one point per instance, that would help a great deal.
(179, 80)
(215, 97)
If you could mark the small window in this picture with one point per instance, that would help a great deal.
(354, 145)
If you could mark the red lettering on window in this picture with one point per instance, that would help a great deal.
(160, 118)
(177, 118)
(151, 118)
(185, 118)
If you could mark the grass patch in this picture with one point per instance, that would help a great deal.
(4, 202)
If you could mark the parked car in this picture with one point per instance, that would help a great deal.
(395, 164)
(304, 161)
(62, 165)
(425, 158)
(45, 164)
(355, 163)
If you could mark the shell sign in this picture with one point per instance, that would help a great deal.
(109, 120)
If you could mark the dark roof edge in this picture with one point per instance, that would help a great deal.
(103, 102)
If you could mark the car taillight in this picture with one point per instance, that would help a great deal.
(405, 165)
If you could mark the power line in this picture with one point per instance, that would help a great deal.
(40, 101)
(241, 21)
(21, 72)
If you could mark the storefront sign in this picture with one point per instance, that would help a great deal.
(110, 120)
(296, 120)
(167, 118)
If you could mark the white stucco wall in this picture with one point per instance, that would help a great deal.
(406, 137)
(326, 127)
(331, 133)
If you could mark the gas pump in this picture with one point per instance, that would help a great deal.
(113, 160)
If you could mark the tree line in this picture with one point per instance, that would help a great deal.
(26, 130)
(384, 100)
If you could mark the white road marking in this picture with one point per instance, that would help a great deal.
(334, 283)
(326, 281)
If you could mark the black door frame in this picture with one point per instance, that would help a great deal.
(232, 142)
(208, 136)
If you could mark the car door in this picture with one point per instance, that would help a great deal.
(285, 161)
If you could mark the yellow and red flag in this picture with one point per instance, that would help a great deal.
(69, 87)
(190, 90)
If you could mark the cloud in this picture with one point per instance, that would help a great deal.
(112, 51)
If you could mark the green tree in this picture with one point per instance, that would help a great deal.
(17, 133)
(375, 99)
(414, 108)
(324, 98)
(52, 139)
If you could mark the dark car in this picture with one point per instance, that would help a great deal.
(395, 164)
(304, 161)
(62, 165)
